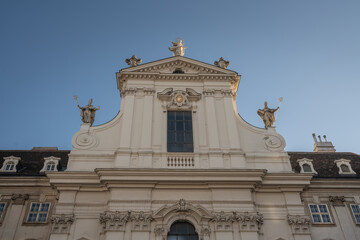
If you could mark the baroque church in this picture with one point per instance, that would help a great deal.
(179, 163)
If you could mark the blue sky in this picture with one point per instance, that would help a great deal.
(307, 52)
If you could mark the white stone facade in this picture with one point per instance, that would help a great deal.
(122, 183)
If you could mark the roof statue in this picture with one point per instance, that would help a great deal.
(267, 114)
(222, 63)
(178, 48)
(87, 112)
(133, 61)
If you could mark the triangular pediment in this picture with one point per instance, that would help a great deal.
(178, 63)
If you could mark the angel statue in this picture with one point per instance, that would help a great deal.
(178, 48)
(87, 112)
(267, 114)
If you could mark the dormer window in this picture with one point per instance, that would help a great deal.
(178, 71)
(306, 166)
(344, 166)
(50, 164)
(10, 164)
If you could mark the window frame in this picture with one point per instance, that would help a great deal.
(51, 165)
(319, 213)
(353, 214)
(175, 131)
(3, 213)
(26, 220)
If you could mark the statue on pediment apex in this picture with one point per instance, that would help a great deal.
(178, 48)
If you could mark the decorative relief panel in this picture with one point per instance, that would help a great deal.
(223, 221)
(141, 221)
(179, 99)
(274, 142)
(337, 200)
(61, 223)
(299, 224)
(19, 199)
(114, 221)
(249, 221)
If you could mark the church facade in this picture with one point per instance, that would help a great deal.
(177, 163)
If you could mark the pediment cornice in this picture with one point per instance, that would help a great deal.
(168, 64)
(193, 71)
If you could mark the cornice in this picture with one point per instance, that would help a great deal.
(16, 181)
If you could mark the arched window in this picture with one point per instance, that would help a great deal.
(306, 167)
(182, 231)
(10, 166)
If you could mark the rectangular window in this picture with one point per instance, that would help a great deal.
(320, 213)
(356, 212)
(179, 132)
(38, 212)
(2, 210)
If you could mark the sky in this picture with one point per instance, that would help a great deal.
(307, 52)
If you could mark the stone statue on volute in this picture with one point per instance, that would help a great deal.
(87, 112)
(178, 48)
(267, 114)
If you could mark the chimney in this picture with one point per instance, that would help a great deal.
(323, 146)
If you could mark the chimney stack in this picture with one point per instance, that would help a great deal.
(323, 146)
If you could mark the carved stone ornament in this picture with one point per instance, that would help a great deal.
(61, 223)
(299, 224)
(223, 221)
(141, 221)
(178, 48)
(337, 200)
(19, 199)
(272, 142)
(133, 61)
(159, 230)
(182, 206)
(114, 221)
(249, 221)
(205, 231)
(85, 138)
(222, 63)
(179, 99)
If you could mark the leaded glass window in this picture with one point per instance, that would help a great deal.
(180, 133)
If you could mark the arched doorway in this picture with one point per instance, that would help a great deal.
(182, 231)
